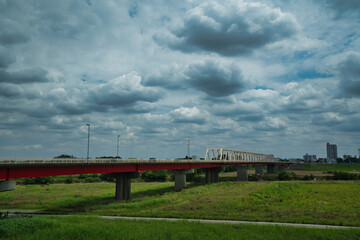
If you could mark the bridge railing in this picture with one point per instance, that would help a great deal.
(235, 155)
(58, 161)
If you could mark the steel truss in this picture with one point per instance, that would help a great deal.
(235, 155)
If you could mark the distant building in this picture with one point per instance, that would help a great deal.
(309, 158)
(331, 151)
(346, 156)
(297, 161)
(195, 157)
(321, 160)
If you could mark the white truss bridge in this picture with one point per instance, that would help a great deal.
(236, 155)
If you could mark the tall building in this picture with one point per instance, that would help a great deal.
(332, 155)
(309, 158)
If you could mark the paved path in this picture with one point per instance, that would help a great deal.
(21, 212)
(234, 222)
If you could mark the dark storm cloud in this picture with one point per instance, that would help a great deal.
(229, 30)
(350, 75)
(210, 77)
(24, 76)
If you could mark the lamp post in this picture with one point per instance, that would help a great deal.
(188, 148)
(88, 146)
(117, 149)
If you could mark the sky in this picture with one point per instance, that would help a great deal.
(268, 76)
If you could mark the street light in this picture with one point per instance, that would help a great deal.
(188, 148)
(88, 146)
(117, 149)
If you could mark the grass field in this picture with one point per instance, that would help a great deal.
(325, 202)
(333, 167)
(95, 228)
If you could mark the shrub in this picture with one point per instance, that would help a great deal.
(195, 177)
(107, 177)
(230, 169)
(345, 176)
(69, 179)
(93, 178)
(285, 176)
(36, 180)
(154, 176)
(308, 177)
(253, 178)
(269, 178)
(82, 176)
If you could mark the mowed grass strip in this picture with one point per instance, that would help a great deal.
(326, 202)
(96, 228)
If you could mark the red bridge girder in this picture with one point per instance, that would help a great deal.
(44, 171)
(13, 172)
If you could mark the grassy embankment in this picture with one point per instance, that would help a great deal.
(95, 228)
(326, 202)
(333, 167)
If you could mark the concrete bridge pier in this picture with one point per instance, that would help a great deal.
(180, 177)
(123, 184)
(259, 170)
(272, 168)
(7, 186)
(212, 175)
(242, 173)
(282, 167)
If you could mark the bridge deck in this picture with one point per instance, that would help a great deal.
(111, 161)
(22, 168)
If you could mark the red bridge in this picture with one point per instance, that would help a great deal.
(126, 169)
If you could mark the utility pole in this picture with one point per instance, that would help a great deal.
(188, 148)
(88, 146)
(117, 149)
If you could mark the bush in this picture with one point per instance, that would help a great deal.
(308, 177)
(107, 177)
(345, 176)
(92, 179)
(269, 178)
(253, 178)
(36, 180)
(82, 176)
(194, 177)
(154, 176)
(230, 169)
(69, 179)
(285, 176)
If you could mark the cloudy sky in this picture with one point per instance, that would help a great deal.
(268, 76)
